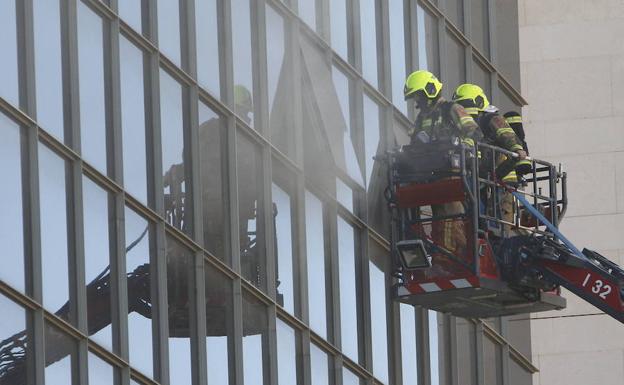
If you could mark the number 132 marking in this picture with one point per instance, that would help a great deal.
(598, 287)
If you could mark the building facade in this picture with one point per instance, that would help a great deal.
(190, 192)
(564, 44)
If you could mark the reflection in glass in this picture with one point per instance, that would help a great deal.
(8, 45)
(275, 52)
(455, 10)
(11, 220)
(379, 330)
(341, 84)
(369, 41)
(507, 41)
(282, 211)
(319, 366)
(307, 12)
(481, 77)
(140, 296)
(349, 378)
(53, 219)
(409, 354)
(15, 354)
(372, 143)
(338, 16)
(169, 29)
(172, 137)
(433, 347)
(286, 354)
(60, 351)
(428, 57)
(48, 71)
(397, 53)
(250, 211)
(213, 170)
(480, 26)
(100, 372)
(456, 62)
(255, 335)
(348, 296)
(207, 36)
(91, 81)
(130, 12)
(344, 194)
(219, 324)
(133, 120)
(242, 59)
(315, 251)
(97, 262)
(179, 296)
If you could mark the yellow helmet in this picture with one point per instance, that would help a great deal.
(473, 93)
(423, 81)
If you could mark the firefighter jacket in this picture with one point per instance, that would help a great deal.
(446, 120)
(498, 133)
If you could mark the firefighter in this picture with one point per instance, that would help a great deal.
(496, 132)
(514, 119)
(439, 119)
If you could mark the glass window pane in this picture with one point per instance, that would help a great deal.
(319, 366)
(480, 30)
(91, 80)
(466, 348)
(506, 103)
(53, 207)
(397, 53)
(283, 213)
(133, 120)
(279, 77)
(518, 375)
(286, 354)
(213, 171)
(251, 211)
(481, 77)
(307, 12)
(48, 71)
(315, 251)
(369, 40)
(11, 220)
(207, 35)
(172, 137)
(15, 362)
(455, 11)
(139, 273)
(492, 362)
(338, 16)
(428, 55)
(219, 324)
(349, 378)
(456, 59)
(60, 351)
(372, 140)
(379, 330)
(8, 45)
(255, 329)
(409, 353)
(242, 59)
(169, 29)
(100, 371)
(344, 195)
(179, 296)
(342, 86)
(97, 261)
(130, 12)
(507, 41)
(348, 293)
(434, 362)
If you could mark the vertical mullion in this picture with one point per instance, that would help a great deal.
(480, 361)
(75, 228)
(384, 63)
(303, 352)
(411, 38)
(354, 34)
(491, 8)
(364, 307)
(331, 217)
(442, 40)
(236, 365)
(422, 338)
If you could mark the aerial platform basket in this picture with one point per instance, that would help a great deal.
(449, 245)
